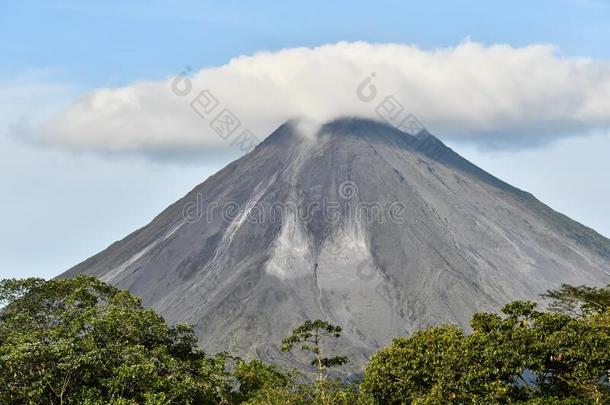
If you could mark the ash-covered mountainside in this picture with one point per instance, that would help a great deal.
(354, 222)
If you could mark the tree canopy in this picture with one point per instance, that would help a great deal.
(310, 335)
(81, 341)
(522, 355)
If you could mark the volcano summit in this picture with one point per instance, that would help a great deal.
(354, 222)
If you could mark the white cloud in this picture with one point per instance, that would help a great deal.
(471, 90)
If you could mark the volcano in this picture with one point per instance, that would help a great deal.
(353, 222)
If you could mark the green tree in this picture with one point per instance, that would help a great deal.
(254, 376)
(432, 366)
(310, 336)
(82, 341)
(327, 392)
(579, 301)
(522, 355)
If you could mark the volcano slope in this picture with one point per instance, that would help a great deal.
(356, 223)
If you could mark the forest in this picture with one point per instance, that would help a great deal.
(81, 341)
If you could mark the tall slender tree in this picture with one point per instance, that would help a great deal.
(310, 335)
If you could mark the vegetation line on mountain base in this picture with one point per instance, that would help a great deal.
(80, 341)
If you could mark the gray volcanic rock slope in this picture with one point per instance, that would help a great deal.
(278, 236)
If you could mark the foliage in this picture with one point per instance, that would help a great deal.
(255, 375)
(525, 355)
(82, 341)
(327, 392)
(579, 301)
(310, 335)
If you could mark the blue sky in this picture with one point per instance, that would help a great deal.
(117, 42)
(59, 207)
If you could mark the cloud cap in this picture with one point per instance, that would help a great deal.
(490, 94)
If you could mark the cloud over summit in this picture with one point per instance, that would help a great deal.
(471, 90)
